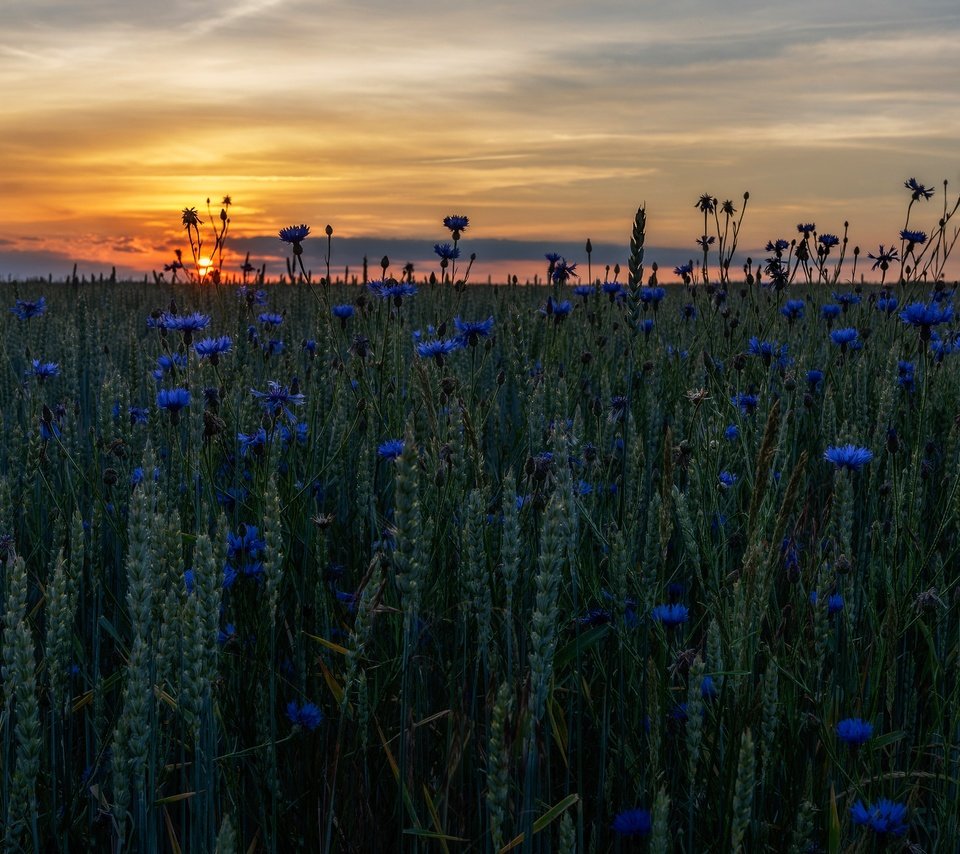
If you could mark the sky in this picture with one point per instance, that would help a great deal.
(546, 122)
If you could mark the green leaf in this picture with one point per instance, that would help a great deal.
(588, 639)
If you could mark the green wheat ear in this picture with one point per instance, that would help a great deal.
(635, 264)
(636, 248)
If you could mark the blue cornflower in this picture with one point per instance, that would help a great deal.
(614, 290)
(670, 615)
(618, 407)
(830, 311)
(252, 441)
(646, 327)
(173, 400)
(246, 543)
(49, 430)
(269, 318)
(794, 309)
(708, 688)
(287, 435)
(277, 399)
(252, 570)
(446, 251)
(884, 257)
(883, 817)
(905, 374)
(925, 316)
(558, 310)
(437, 349)
(257, 297)
(913, 238)
(887, 304)
(765, 349)
(684, 270)
(688, 311)
(307, 715)
(854, 731)
(227, 633)
(779, 246)
(564, 270)
(634, 822)
(229, 576)
(44, 370)
(472, 330)
(392, 289)
(847, 299)
(814, 378)
(652, 295)
(940, 347)
(186, 323)
(189, 576)
(850, 457)
(732, 433)
(552, 257)
(727, 479)
(26, 309)
(834, 602)
(806, 228)
(746, 403)
(584, 290)
(138, 415)
(828, 241)
(391, 449)
(456, 222)
(778, 271)
(844, 337)
(294, 234)
(343, 313)
(918, 191)
(168, 364)
(213, 348)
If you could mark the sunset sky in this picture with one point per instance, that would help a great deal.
(545, 122)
